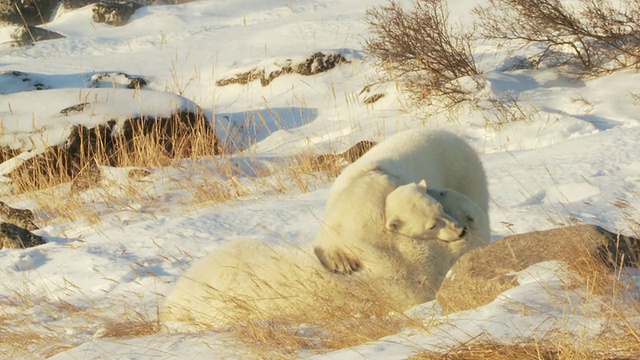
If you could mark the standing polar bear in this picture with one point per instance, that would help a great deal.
(368, 202)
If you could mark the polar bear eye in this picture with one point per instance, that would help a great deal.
(433, 226)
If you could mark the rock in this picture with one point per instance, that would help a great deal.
(111, 79)
(482, 274)
(94, 176)
(312, 65)
(12, 236)
(88, 178)
(13, 81)
(27, 35)
(27, 12)
(106, 143)
(114, 12)
(76, 4)
(138, 174)
(108, 131)
(20, 217)
(16, 81)
(350, 155)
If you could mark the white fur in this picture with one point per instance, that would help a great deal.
(247, 280)
(469, 215)
(381, 187)
(411, 211)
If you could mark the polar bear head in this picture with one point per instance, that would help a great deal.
(460, 207)
(411, 211)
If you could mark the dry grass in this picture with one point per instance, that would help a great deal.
(21, 337)
(562, 349)
(155, 143)
(284, 340)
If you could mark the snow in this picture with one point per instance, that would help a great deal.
(573, 158)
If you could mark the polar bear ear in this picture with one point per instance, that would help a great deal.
(394, 224)
(471, 222)
(423, 184)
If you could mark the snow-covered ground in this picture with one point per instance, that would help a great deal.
(574, 158)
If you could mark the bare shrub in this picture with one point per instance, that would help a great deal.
(419, 47)
(595, 35)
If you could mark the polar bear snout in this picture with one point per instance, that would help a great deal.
(451, 230)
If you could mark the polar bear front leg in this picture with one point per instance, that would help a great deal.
(338, 260)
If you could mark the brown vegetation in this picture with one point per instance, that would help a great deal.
(419, 47)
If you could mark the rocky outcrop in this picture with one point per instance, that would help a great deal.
(93, 176)
(28, 34)
(13, 81)
(38, 12)
(27, 12)
(114, 12)
(350, 155)
(15, 228)
(110, 79)
(20, 217)
(107, 142)
(312, 65)
(12, 237)
(112, 127)
(482, 274)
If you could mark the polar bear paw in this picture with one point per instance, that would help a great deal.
(338, 261)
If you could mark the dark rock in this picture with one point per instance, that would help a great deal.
(114, 12)
(88, 178)
(74, 109)
(314, 64)
(16, 81)
(479, 276)
(356, 151)
(138, 174)
(105, 144)
(110, 79)
(27, 12)
(12, 236)
(318, 63)
(76, 4)
(350, 155)
(20, 217)
(27, 35)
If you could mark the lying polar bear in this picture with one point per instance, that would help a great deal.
(249, 280)
(380, 220)
(354, 214)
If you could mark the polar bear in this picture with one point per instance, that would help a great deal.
(246, 280)
(410, 211)
(355, 210)
(431, 253)
(466, 212)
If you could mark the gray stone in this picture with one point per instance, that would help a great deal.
(314, 64)
(28, 34)
(20, 217)
(114, 12)
(479, 276)
(350, 155)
(27, 12)
(12, 237)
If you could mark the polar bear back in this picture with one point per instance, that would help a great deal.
(442, 158)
